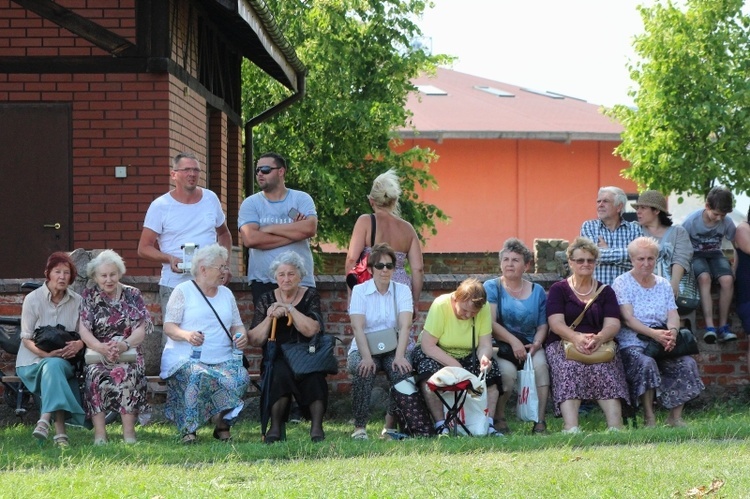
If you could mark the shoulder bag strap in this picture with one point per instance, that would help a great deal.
(231, 341)
(374, 226)
(395, 306)
(592, 300)
(499, 302)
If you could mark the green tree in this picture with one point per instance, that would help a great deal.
(342, 134)
(691, 123)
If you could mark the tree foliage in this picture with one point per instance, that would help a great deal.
(338, 138)
(691, 123)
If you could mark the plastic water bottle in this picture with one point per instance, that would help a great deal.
(237, 353)
(195, 356)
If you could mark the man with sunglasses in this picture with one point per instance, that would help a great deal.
(611, 233)
(186, 214)
(275, 220)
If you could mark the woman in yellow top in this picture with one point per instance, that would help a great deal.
(456, 324)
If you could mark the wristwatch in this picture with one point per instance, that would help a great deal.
(127, 345)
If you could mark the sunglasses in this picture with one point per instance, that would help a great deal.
(381, 266)
(265, 169)
(581, 261)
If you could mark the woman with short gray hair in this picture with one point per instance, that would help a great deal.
(302, 304)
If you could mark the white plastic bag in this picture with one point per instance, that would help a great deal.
(527, 408)
(474, 412)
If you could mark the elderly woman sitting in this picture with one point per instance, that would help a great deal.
(573, 381)
(201, 321)
(113, 319)
(50, 375)
(519, 318)
(456, 325)
(647, 307)
(303, 305)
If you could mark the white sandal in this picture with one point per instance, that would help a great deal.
(42, 430)
(360, 434)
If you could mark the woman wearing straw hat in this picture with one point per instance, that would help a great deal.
(674, 242)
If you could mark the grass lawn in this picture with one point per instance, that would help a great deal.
(660, 462)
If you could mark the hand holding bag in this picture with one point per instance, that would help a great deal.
(605, 352)
(127, 357)
(688, 298)
(686, 344)
(51, 338)
(527, 408)
(361, 272)
(315, 356)
(504, 350)
(385, 340)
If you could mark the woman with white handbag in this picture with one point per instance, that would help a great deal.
(114, 322)
(381, 315)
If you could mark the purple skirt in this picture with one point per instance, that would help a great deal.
(572, 380)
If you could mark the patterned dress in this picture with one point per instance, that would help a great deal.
(118, 387)
(675, 380)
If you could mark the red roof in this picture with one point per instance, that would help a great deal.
(467, 112)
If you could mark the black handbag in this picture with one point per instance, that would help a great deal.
(50, 338)
(315, 356)
(686, 345)
(10, 341)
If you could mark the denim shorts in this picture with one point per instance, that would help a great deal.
(714, 263)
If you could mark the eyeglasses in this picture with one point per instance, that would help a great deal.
(265, 169)
(381, 266)
(197, 171)
(581, 261)
(223, 268)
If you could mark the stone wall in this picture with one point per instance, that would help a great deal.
(724, 368)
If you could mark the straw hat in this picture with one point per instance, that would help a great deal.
(652, 199)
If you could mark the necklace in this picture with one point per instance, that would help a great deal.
(593, 284)
(281, 297)
(514, 291)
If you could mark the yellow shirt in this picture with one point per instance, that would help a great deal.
(453, 334)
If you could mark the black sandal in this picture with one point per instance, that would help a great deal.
(539, 428)
(218, 434)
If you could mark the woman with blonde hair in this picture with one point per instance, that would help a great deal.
(386, 226)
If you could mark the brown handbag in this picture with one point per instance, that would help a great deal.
(605, 352)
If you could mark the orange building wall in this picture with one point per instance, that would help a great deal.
(496, 189)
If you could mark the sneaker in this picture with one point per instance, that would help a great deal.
(573, 430)
(360, 434)
(492, 432)
(725, 334)
(710, 335)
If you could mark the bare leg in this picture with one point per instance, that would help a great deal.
(100, 427)
(648, 408)
(675, 416)
(433, 403)
(492, 396)
(502, 403)
(60, 422)
(128, 427)
(704, 285)
(543, 393)
(612, 409)
(569, 410)
(726, 292)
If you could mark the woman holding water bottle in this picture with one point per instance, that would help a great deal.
(202, 360)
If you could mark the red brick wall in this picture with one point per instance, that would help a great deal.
(25, 34)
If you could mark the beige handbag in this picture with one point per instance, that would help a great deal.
(605, 352)
(127, 357)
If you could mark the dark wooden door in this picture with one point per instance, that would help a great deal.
(35, 168)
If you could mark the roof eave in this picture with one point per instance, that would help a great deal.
(440, 135)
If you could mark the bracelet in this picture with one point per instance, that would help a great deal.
(674, 329)
(127, 345)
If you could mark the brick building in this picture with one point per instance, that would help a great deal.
(96, 96)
